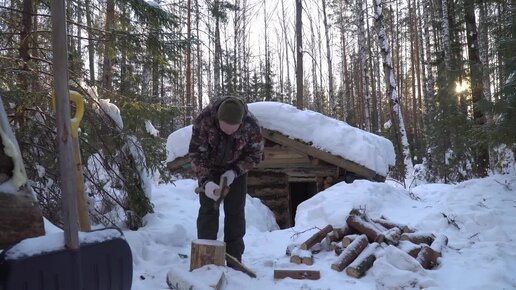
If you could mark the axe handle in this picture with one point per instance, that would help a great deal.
(223, 191)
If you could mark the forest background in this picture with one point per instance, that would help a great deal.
(436, 77)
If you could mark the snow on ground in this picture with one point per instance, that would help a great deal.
(477, 216)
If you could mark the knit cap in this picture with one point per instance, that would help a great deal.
(231, 111)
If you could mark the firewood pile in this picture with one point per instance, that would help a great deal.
(356, 243)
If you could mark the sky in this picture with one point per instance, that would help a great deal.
(477, 216)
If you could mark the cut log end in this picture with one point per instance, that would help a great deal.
(205, 252)
(360, 270)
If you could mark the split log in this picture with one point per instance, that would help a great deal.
(205, 252)
(409, 248)
(308, 261)
(346, 241)
(301, 256)
(390, 224)
(21, 217)
(297, 274)
(316, 238)
(427, 257)
(419, 237)
(296, 259)
(392, 236)
(363, 262)
(363, 226)
(440, 242)
(338, 233)
(237, 265)
(350, 253)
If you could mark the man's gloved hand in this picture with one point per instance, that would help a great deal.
(230, 176)
(209, 190)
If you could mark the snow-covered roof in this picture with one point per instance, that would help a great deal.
(322, 132)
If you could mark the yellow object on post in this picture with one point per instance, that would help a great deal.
(82, 207)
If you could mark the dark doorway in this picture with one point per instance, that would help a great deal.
(299, 192)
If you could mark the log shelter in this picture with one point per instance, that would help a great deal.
(291, 172)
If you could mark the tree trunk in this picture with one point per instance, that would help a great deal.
(315, 87)
(25, 40)
(199, 58)
(188, 64)
(109, 48)
(392, 92)
(285, 36)
(446, 36)
(480, 151)
(364, 74)
(91, 46)
(331, 91)
(218, 52)
(299, 55)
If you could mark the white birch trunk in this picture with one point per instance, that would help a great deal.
(397, 116)
(363, 63)
(331, 92)
(429, 84)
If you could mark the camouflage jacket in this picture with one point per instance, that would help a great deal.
(212, 152)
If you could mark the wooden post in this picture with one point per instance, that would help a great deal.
(317, 237)
(206, 252)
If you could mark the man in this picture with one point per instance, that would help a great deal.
(226, 142)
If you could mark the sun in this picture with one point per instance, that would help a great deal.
(461, 86)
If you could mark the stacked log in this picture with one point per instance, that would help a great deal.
(356, 242)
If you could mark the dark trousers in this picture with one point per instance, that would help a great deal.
(234, 221)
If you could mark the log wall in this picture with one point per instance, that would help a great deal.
(272, 189)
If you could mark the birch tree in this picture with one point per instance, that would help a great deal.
(299, 55)
(331, 91)
(402, 144)
(364, 74)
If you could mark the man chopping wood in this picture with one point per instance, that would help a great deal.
(226, 143)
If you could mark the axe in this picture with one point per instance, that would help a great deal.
(222, 191)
